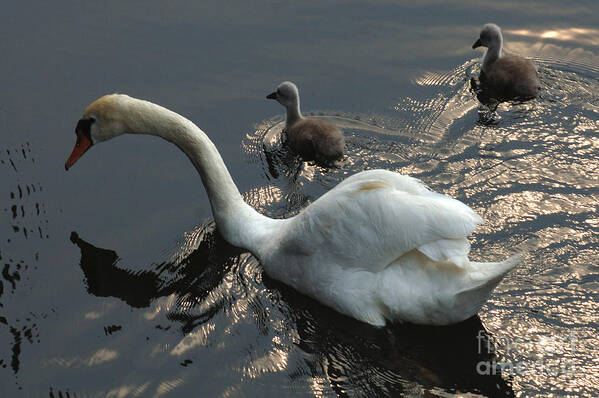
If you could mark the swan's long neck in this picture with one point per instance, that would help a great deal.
(493, 53)
(293, 113)
(238, 223)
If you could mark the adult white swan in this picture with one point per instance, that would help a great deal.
(379, 246)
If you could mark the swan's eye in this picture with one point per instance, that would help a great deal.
(279, 92)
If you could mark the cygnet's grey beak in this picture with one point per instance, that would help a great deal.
(272, 95)
(477, 44)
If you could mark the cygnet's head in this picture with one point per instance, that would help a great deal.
(490, 37)
(287, 94)
(103, 119)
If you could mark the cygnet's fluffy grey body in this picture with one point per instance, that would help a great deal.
(509, 74)
(312, 139)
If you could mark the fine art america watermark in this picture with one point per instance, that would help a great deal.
(545, 355)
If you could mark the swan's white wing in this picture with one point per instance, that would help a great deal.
(373, 218)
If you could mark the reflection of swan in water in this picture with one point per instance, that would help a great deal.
(408, 359)
(345, 355)
(105, 278)
(378, 247)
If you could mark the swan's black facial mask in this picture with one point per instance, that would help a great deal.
(83, 143)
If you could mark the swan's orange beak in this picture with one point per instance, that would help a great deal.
(81, 146)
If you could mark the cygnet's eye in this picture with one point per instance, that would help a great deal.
(279, 92)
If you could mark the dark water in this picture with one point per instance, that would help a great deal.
(115, 283)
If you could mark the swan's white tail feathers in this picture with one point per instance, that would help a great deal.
(511, 262)
(483, 272)
(452, 250)
(469, 302)
(473, 297)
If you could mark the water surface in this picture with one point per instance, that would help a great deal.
(115, 282)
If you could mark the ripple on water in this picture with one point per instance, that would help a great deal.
(530, 168)
(25, 224)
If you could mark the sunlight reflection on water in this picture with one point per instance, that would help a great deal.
(575, 35)
(531, 171)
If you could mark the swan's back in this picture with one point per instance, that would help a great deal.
(383, 247)
(316, 140)
(385, 215)
(512, 75)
